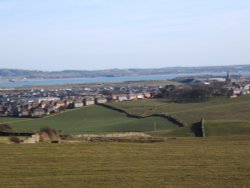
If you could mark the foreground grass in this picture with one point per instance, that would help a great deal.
(5, 140)
(213, 162)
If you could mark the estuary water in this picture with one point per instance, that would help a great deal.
(45, 82)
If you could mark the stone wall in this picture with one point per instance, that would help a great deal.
(167, 116)
(35, 138)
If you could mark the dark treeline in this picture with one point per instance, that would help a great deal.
(192, 93)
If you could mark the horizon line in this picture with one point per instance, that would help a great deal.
(201, 66)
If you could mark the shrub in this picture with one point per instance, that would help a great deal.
(15, 139)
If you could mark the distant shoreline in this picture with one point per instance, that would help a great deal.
(33, 75)
(20, 82)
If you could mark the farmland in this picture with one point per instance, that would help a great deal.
(223, 116)
(186, 162)
(220, 160)
(231, 115)
(11, 120)
(95, 120)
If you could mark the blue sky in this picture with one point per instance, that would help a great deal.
(102, 34)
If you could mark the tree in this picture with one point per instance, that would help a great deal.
(187, 93)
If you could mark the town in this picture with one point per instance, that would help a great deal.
(39, 102)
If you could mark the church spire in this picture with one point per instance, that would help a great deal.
(228, 78)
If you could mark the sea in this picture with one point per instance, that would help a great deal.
(47, 82)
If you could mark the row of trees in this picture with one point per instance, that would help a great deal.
(186, 93)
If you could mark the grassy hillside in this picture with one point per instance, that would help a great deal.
(227, 128)
(6, 120)
(220, 113)
(223, 116)
(95, 120)
(181, 163)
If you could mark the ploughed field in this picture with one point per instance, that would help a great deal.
(181, 163)
(95, 120)
(223, 116)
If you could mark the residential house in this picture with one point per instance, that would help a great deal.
(89, 101)
(43, 104)
(140, 96)
(38, 112)
(132, 96)
(122, 97)
(101, 100)
(60, 104)
(114, 97)
(40, 99)
(147, 95)
(51, 109)
(24, 112)
(78, 103)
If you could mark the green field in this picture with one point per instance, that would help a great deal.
(231, 115)
(227, 128)
(223, 116)
(177, 163)
(181, 163)
(7, 120)
(95, 120)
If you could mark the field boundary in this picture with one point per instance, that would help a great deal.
(167, 116)
(203, 127)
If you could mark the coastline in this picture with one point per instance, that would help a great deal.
(20, 82)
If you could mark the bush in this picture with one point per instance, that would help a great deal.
(15, 139)
(187, 93)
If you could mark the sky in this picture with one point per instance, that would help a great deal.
(105, 34)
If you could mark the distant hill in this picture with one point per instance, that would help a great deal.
(34, 74)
